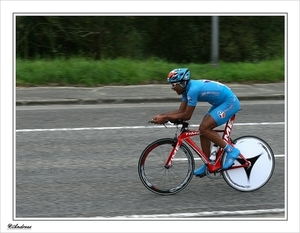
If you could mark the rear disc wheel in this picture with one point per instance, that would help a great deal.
(262, 160)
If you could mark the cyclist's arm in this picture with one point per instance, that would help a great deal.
(184, 112)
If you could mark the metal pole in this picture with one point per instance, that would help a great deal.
(215, 41)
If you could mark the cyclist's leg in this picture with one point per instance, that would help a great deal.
(209, 122)
(205, 142)
(222, 114)
(207, 136)
(216, 116)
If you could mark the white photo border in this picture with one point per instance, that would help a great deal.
(10, 8)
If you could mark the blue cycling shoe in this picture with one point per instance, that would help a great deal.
(201, 171)
(231, 157)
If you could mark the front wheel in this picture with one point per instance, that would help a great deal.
(262, 160)
(159, 178)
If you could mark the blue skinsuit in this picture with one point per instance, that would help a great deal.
(224, 102)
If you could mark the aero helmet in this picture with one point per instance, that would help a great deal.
(179, 74)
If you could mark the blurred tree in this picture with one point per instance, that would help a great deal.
(181, 39)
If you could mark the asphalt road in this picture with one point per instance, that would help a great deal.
(80, 161)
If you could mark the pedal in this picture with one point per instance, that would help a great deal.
(214, 175)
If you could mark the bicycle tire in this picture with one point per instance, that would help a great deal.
(154, 174)
(262, 159)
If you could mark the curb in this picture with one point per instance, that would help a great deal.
(125, 100)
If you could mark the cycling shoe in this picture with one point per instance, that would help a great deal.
(201, 171)
(231, 157)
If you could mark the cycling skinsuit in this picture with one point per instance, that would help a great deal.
(224, 102)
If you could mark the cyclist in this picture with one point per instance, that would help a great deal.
(224, 105)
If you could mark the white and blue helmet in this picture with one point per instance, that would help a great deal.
(178, 75)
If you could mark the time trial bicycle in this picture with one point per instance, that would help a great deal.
(166, 165)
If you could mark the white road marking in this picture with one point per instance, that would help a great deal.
(139, 127)
(266, 213)
(135, 127)
(208, 214)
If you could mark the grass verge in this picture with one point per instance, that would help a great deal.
(86, 72)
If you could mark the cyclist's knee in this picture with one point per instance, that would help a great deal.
(207, 126)
(204, 129)
(201, 128)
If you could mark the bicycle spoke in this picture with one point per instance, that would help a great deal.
(156, 176)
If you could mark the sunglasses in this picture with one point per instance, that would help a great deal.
(174, 84)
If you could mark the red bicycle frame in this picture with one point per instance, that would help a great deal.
(186, 136)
